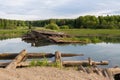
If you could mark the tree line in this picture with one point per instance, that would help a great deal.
(82, 22)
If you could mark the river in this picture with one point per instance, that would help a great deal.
(98, 51)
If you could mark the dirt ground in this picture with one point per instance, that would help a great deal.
(46, 73)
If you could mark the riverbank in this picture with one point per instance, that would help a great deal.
(92, 35)
(83, 36)
(47, 73)
(92, 32)
(12, 33)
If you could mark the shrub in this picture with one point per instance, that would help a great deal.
(64, 27)
(52, 26)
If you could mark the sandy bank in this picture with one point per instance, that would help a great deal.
(46, 73)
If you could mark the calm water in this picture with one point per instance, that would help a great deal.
(98, 52)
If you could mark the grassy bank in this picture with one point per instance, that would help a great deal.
(92, 32)
(93, 35)
(12, 33)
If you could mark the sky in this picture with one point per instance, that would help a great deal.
(46, 9)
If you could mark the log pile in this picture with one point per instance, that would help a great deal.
(19, 60)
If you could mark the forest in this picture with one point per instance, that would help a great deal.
(82, 22)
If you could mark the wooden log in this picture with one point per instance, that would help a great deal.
(17, 60)
(70, 54)
(64, 63)
(101, 63)
(36, 55)
(78, 63)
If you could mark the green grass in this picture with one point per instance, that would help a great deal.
(12, 33)
(92, 32)
(90, 35)
(44, 62)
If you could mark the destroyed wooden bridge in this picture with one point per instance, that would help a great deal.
(50, 36)
(20, 60)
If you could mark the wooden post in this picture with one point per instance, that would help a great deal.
(58, 57)
(17, 60)
(89, 61)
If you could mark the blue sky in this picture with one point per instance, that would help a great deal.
(46, 9)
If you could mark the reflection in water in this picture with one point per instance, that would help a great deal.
(38, 43)
(41, 42)
(98, 51)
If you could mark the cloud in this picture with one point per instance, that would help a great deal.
(45, 9)
(14, 3)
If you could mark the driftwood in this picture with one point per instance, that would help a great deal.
(36, 55)
(17, 60)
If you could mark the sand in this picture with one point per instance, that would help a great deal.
(46, 73)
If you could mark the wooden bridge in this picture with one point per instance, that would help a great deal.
(50, 36)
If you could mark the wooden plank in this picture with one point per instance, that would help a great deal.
(17, 60)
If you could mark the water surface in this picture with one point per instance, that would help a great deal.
(98, 52)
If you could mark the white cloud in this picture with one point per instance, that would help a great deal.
(14, 2)
(44, 9)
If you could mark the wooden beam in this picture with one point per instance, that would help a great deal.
(17, 60)
(6, 56)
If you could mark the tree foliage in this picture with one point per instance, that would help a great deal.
(52, 26)
(84, 22)
(64, 27)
